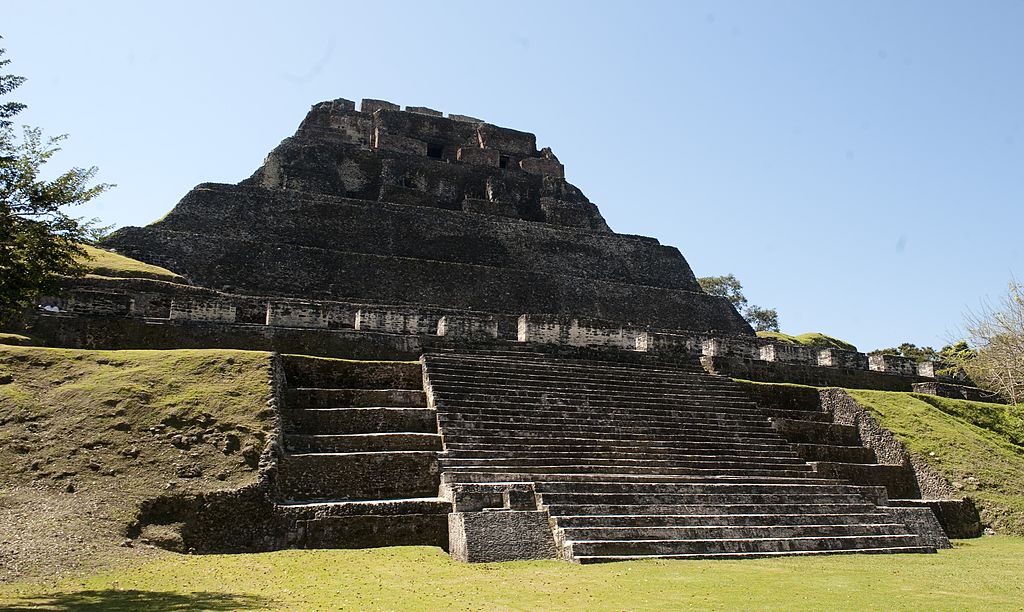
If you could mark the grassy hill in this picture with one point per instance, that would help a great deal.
(975, 445)
(815, 339)
(106, 263)
(87, 435)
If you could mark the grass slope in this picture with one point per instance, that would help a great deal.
(87, 435)
(976, 574)
(809, 339)
(106, 263)
(965, 441)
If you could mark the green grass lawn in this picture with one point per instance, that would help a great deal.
(86, 436)
(976, 574)
(809, 339)
(969, 443)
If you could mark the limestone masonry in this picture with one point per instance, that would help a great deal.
(533, 385)
(411, 208)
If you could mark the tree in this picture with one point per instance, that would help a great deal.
(729, 287)
(997, 333)
(39, 241)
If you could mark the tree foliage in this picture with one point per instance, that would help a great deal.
(39, 241)
(729, 287)
(997, 332)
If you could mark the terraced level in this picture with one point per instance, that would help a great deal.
(639, 460)
(360, 461)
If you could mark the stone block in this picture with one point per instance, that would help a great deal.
(464, 118)
(931, 369)
(297, 314)
(185, 309)
(477, 497)
(487, 207)
(550, 329)
(741, 347)
(395, 143)
(468, 327)
(342, 105)
(838, 358)
(352, 127)
(922, 522)
(664, 342)
(893, 364)
(478, 156)
(396, 321)
(793, 353)
(946, 389)
(95, 303)
(369, 105)
(542, 166)
(506, 140)
(406, 195)
(568, 214)
(503, 535)
(423, 110)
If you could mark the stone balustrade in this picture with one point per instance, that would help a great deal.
(189, 304)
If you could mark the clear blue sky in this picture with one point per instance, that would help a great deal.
(858, 165)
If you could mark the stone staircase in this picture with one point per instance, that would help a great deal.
(360, 456)
(635, 460)
(835, 451)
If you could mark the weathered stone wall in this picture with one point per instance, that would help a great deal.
(370, 206)
(263, 269)
(944, 389)
(806, 374)
(415, 232)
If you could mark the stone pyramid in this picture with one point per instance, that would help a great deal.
(385, 206)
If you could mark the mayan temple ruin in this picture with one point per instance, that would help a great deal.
(467, 356)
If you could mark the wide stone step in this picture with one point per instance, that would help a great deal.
(799, 415)
(597, 424)
(355, 476)
(891, 550)
(486, 404)
(605, 457)
(488, 476)
(456, 449)
(737, 545)
(383, 507)
(487, 380)
(360, 420)
(559, 417)
(898, 480)
(699, 532)
(306, 371)
(540, 437)
(572, 366)
(561, 510)
(345, 398)
(655, 461)
(683, 499)
(624, 427)
(744, 488)
(572, 395)
(353, 443)
(619, 468)
(685, 520)
(813, 432)
(829, 452)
